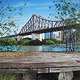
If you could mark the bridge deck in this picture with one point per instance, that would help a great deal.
(43, 62)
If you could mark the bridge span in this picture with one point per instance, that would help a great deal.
(38, 24)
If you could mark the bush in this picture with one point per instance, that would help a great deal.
(49, 42)
(11, 42)
(23, 41)
(58, 41)
(2, 43)
(8, 42)
(26, 42)
(27, 38)
(35, 42)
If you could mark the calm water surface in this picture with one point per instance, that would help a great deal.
(47, 48)
(35, 48)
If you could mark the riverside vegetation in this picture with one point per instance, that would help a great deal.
(28, 41)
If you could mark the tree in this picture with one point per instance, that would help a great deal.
(67, 9)
(8, 11)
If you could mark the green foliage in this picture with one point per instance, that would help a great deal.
(66, 9)
(49, 42)
(27, 38)
(52, 41)
(9, 76)
(35, 42)
(12, 42)
(23, 42)
(58, 41)
(8, 41)
(27, 41)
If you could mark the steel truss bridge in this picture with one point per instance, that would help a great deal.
(38, 24)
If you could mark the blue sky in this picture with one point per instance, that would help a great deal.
(40, 7)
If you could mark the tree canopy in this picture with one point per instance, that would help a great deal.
(66, 9)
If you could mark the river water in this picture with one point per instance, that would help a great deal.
(47, 48)
(35, 48)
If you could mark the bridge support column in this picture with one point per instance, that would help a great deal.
(30, 75)
(65, 76)
(19, 37)
(36, 36)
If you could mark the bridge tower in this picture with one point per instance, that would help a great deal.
(19, 37)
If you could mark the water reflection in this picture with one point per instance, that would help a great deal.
(46, 48)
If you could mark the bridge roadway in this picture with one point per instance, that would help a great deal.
(43, 62)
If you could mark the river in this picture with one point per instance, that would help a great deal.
(47, 48)
(35, 48)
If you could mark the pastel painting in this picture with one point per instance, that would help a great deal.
(39, 40)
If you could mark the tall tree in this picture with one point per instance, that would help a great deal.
(68, 9)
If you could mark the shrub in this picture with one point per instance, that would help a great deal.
(35, 42)
(49, 42)
(11, 42)
(26, 42)
(27, 38)
(20, 42)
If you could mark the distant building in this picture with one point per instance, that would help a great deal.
(58, 36)
(47, 35)
(51, 35)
